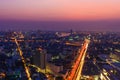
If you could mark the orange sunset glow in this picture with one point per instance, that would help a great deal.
(60, 9)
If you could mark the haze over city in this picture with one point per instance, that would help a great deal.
(93, 15)
(59, 39)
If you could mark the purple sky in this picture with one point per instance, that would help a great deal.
(113, 25)
(101, 15)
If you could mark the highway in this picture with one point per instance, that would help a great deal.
(110, 63)
(75, 73)
(23, 60)
(80, 67)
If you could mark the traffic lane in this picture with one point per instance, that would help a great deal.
(84, 47)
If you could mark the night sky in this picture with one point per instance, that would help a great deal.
(61, 15)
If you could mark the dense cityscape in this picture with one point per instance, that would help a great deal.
(59, 39)
(52, 55)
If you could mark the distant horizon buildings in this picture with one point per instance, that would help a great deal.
(100, 25)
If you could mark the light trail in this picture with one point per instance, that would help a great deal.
(112, 65)
(81, 66)
(23, 60)
(77, 68)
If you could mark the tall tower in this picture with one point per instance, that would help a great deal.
(39, 58)
(43, 59)
(71, 31)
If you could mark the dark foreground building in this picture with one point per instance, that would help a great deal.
(39, 59)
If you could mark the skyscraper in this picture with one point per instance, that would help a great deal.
(39, 58)
(71, 31)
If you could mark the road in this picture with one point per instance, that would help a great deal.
(23, 60)
(75, 73)
(80, 67)
(110, 63)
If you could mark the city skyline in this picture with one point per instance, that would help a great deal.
(59, 39)
(109, 26)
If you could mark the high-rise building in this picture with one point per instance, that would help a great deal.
(71, 31)
(39, 58)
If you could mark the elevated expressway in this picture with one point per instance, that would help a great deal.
(75, 73)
